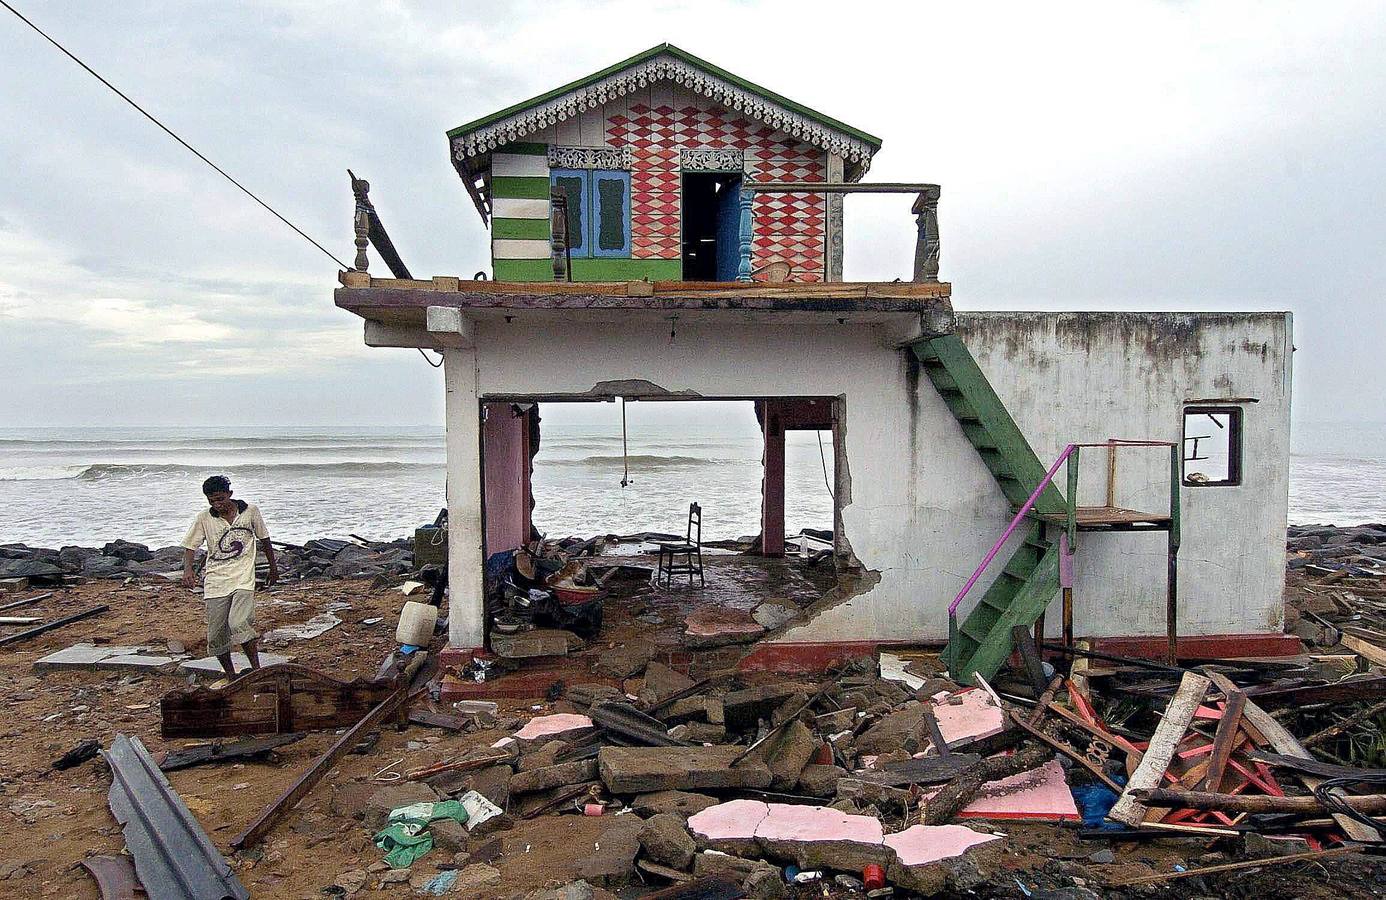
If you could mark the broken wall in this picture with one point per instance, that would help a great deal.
(921, 509)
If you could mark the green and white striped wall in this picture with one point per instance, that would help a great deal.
(520, 239)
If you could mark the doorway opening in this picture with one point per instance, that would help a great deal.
(579, 495)
(711, 225)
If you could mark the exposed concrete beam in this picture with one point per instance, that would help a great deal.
(449, 328)
(388, 334)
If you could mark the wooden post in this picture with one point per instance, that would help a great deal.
(361, 221)
(743, 268)
(1066, 586)
(1111, 472)
(926, 248)
(558, 231)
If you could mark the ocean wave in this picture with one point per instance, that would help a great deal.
(101, 471)
(640, 461)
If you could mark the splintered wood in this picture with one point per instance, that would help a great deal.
(1163, 744)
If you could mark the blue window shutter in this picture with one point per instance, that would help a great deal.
(573, 184)
(609, 217)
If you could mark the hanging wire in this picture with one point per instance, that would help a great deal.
(625, 456)
(195, 152)
(824, 457)
(420, 349)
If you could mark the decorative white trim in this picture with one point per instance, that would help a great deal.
(518, 248)
(618, 158)
(663, 67)
(513, 208)
(722, 159)
(519, 164)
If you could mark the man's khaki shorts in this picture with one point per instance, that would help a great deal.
(230, 621)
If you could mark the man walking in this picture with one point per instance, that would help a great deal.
(230, 529)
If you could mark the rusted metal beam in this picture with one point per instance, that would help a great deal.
(309, 779)
(56, 623)
(115, 876)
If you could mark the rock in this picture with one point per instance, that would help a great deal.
(665, 840)
(587, 693)
(718, 626)
(662, 681)
(127, 550)
(764, 883)
(394, 876)
(820, 781)
(541, 758)
(699, 733)
(574, 890)
(627, 659)
(353, 881)
(639, 770)
(612, 859)
(1102, 857)
(349, 798)
(449, 836)
(493, 783)
(551, 777)
(890, 732)
(385, 799)
(774, 613)
(715, 862)
(28, 568)
(479, 879)
(789, 754)
(682, 803)
(741, 710)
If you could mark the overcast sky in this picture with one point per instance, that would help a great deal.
(1140, 156)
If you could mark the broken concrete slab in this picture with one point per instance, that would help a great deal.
(666, 841)
(789, 753)
(968, 715)
(208, 665)
(315, 627)
(719, 626)
(612, 859)
(742, 709)
(1040, 794)
(548, 726)
(640, 770)
(91, 657)
(662, 681)
(774, 613)
(820, 780)
(823, 837)
(550, 777)
(931, 858)
(535, 643)
(683, 803)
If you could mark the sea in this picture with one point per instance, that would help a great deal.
(87, 486)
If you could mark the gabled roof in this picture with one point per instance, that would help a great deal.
(660, 63)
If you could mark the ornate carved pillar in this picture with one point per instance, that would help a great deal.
(926, 248)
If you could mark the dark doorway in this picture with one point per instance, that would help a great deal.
(711, 216)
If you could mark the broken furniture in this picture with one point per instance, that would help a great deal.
(278, 699)
(683, 557)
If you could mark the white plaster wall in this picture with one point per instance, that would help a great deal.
(923, 509)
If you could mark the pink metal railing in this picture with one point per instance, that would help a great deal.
(1010, 529)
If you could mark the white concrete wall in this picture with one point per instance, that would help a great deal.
(923, 510)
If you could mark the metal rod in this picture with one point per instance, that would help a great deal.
(56, 623)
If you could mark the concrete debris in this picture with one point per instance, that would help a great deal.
(639, 770)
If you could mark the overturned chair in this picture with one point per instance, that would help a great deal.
(683, 557)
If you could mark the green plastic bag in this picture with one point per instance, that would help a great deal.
(405, 837)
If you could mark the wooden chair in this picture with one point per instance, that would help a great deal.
(684, 557)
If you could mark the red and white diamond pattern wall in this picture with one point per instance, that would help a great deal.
(787, 227)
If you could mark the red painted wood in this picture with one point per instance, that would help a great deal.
(1223, 646)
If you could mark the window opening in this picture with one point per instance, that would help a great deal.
(1212, 446)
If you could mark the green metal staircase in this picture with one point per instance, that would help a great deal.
(1037, 568)
(1030, 578)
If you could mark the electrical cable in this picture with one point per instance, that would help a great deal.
(821, 455)
(122, 95)
(1336, 804)
(420, 349)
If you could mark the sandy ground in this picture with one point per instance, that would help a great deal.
(50, 820)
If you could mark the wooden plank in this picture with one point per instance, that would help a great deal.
(1280, 740)
(1224, 739)
(1171, 730)
(309, 779)
(1364, 648)
(1233, 867)
(56, 623)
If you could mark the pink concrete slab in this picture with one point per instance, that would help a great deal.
(790, 822)
(920, 845)
(1041, 794)
(733, 820)
(968, 715)
(542, 726)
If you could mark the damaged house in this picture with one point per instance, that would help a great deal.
(666, 230)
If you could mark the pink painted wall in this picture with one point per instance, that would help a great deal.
(505, 448)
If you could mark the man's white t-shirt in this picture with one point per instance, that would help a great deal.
(230, 549)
